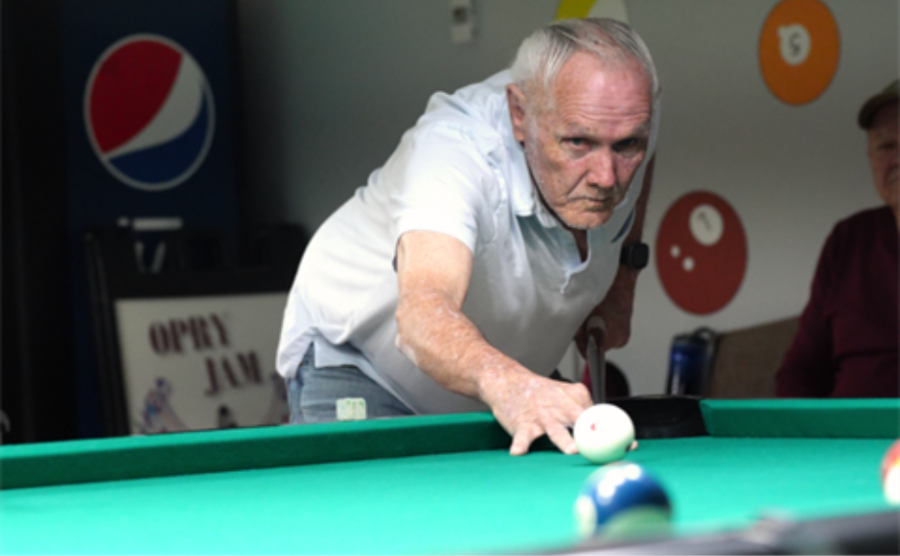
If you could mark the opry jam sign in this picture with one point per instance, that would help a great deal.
(201, 363)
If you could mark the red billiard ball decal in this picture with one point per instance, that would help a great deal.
(701, 253)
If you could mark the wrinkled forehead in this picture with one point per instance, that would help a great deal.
(585, 71)
(575, 72)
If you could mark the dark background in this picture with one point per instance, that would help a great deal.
(55, 190)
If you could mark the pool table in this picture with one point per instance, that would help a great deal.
(446, 484)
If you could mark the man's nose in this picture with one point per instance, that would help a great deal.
(602, 170)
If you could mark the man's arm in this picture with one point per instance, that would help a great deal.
(433, 272)
(618, 305)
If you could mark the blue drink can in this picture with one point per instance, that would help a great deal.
(689, 361)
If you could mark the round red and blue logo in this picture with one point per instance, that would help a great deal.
(149, 112)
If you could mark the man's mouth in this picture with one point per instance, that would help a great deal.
(602, 201)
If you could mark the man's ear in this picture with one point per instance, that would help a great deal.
(515, 99)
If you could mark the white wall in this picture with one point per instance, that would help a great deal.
(329, 86)
(790, 171)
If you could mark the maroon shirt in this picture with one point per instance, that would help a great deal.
(847, 342)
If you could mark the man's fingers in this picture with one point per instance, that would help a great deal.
(523, 439)
(560, 436)
(554, 407)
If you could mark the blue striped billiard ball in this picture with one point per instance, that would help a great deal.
(622, 500)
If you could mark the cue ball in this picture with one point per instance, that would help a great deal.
(622, 500)
(603, 433)
(890, 474)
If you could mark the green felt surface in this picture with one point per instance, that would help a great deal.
(482, 501)
(718, 483)
(79, 461)
(798, 418)
(211, 451)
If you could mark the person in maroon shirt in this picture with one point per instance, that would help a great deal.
(847, 342)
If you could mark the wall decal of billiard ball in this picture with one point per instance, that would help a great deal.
(799, 50)
(701, 253)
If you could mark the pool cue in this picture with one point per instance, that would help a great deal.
(596, 330)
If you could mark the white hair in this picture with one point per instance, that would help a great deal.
(545, 51)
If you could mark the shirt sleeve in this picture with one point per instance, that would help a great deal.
(441, 181)
(808, 367)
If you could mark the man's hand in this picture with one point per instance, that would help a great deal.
(433, 273)
(528, 406)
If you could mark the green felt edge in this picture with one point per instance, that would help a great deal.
(110, 459)
(798, 418)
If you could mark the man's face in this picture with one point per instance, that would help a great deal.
(883, 155)
(586, 139)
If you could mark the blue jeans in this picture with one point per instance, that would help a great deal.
(313, 392)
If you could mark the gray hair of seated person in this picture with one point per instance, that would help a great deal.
(544, 52)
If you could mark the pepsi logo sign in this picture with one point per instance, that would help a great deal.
(149, 112)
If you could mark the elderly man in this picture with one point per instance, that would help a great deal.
(847, 342)
(457, 278)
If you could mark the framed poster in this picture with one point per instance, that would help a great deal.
(188, 346)
(195, 363)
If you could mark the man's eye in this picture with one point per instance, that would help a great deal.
(627, 145)
(577, 141)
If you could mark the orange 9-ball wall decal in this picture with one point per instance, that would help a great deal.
(799, 48)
